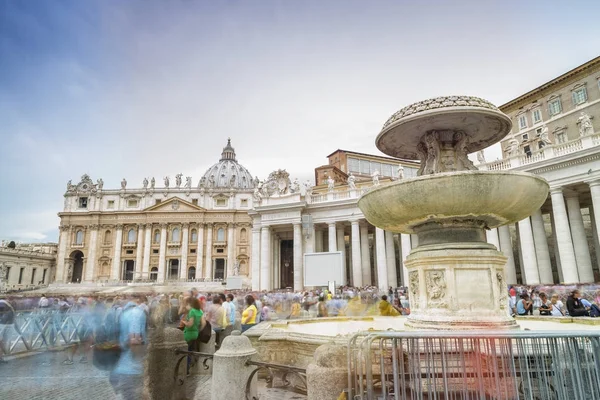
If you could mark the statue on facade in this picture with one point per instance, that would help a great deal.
(152, 183)
(145, 183)
(296, 186)
(178, 180)
(544, 136)
(330, 183)
(236, 268)
(100, 183)
(70, 186)
(123, 184)
(256, 181)
(211, 181)
(375, 176)
(512, 147)
(308, 188)
(351, 181)
(202, 183)
(400, 171)
(480, 157)
(257, 195)
(188, 182)
(232, 181)
(166, 178)
(585, 124)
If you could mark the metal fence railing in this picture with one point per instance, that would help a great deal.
(474, 365)
(40, 331)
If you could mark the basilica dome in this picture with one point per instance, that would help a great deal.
(227, 173)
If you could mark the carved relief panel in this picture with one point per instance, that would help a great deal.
(413, 279)
(436, 288)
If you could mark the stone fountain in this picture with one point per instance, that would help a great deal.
(456, 279)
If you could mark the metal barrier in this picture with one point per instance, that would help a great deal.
(196, 356)
(474, 365)
(276, 371)
(40, 331)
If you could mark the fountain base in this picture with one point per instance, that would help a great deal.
(458, 286)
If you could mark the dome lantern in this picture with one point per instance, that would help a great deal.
(228, 152)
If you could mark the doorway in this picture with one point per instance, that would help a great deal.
(77, 257)
(128, 270)
(220, 268)
(173, 269)
(286, 264)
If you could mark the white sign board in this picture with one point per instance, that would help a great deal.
(234, 283)
(322, 268)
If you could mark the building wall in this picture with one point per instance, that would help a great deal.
(33, 263)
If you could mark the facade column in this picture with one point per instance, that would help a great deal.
(61, 266)
(357, 280)
(492, 237)
(595, 193)
(298, 258)
(365, 254)
(310, 242)
(139, 251)
(230, 249)
(332, 237)
(318, 241)
(116, 266)
(530, 266)
(595, 233)
(390, 252)
(265, 258)
(510, 270)
(406, 248)
(255, 259)
(580, 243)
(91, 259)
(382, 275)
(208, 268)
(276, 265)
(541, 248)
(341, 246)
(162, 254)
(185, 239)
(556, 253)
(200, 251)
(147, 246)
(563, 237)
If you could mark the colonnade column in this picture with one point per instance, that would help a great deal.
(230, 249)
(492, 237)
(298, 261)
(530, 266)
(580, 243)
(390, 252)
(365, 254)
(341, 246)
(382, 275)
(332, 237)
(62, 250)
(595, 192)
(276, 264)
(91, 259)
(556, 253)
(318, 241)
(162, 253)
(310, 240)
(563, 237)
(116, 266)
(265, 258)
(541, 247)
(255, 259)
(146, 253)
(185, 238)
(594, 232)
(208, 270)
(139, 251)
(510, 270)
(200, 250)
(357, 278)
(406, 248)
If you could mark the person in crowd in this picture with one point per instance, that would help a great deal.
(398, 306)
(85, 331)
(217, 317)
(524, 305)
(322, 307)
(545, 305)
(593, 309)
(386, 309)
(193, 322)
(295, 311)
(535, 299)
(557, 306)
(249, 314)
(574, 305)
(232, 309)
(265, 312)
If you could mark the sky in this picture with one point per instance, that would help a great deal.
(140, 88)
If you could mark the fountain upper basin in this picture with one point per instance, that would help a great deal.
(491, 197)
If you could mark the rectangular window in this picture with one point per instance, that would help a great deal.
(561, 137)
(538, 131)
(32, 275)
(195, 202)
(579, 96)
(244, 203)
(375, 166)
(525, 137)
(44, 276)
(536, 116)
(522, 122)
(7, 273)
(386, 170)
(154, 251)
(132, 203)
(365, 167)
(527, 151)
(21, 275)
(219, 250)
(554, 107)
(193, 251)
(221, 202)
(157, 201)
(541, 145)
(83, 202)
(110, 204)
(353, 165)
(129, 252)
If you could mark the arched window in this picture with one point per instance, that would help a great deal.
(154, 273)
(175, 235)
(221, 235)
(79, 237)
(156, 236)
(107, 237)
(243, 235)
(104, 270)
(192, 273)
(194, 236)
(131, 236)
(243, 270)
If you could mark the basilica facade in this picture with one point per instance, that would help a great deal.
(172, 230)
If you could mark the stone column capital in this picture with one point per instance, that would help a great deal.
(209, 225)
(95, 226)
(185, 225)
(332, 224)
(120, 227)
(354, 222)
(163, 225)
(556, 190)
(64, 228)
(593, 182)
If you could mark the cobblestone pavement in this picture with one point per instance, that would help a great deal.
(44, 377)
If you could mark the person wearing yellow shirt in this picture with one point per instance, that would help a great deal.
(249, 314)
(386, 309)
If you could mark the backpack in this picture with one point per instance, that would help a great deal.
(594, 311)
(107, 350)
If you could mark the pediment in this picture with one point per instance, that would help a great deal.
(174, 204)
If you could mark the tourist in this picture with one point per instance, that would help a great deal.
(557, 306)
(322, 307)
(193, 322)
(397, 306)
(85, 332)
(295, 312)
(545, 305)
(535, 299)
(592, 308)
(386, 309)
(249, 314)
(574, 305)
(217, 316)
(524, 305)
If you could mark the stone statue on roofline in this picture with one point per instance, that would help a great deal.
(178, 180)
(188, 182)
(351, 181)
(123, 184)
(100, 183)
(585, 124)
(512, 147)
(166, 179)
(375, 176)
(296, 186)
(145, 183)
(400, 171)
(152, 183)
(330, 183)
(544, 136)
(480, 157)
